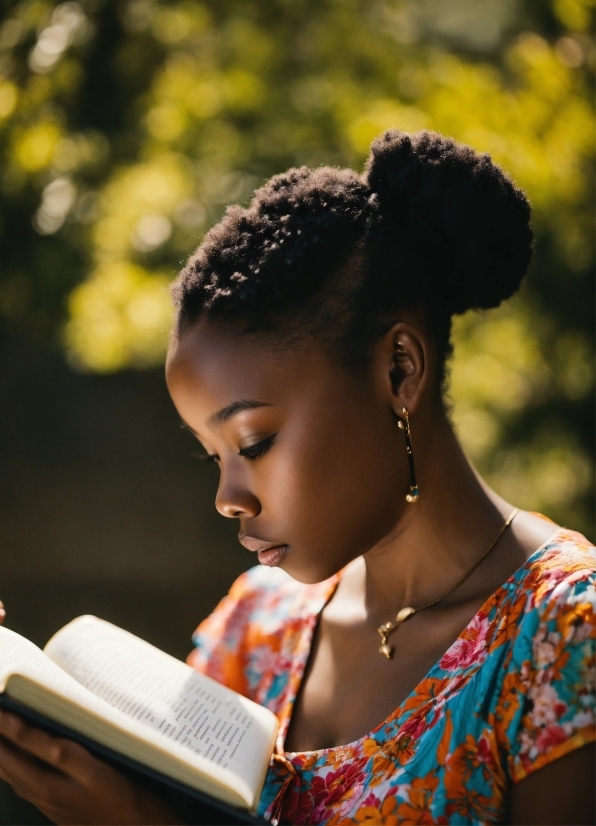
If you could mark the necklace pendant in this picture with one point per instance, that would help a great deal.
(405, 614)
(384, 630)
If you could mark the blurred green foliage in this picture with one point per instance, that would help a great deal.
(127, 125)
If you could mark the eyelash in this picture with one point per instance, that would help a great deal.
(256, 451)
(251, 453)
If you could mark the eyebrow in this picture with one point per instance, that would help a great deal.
(233, 409)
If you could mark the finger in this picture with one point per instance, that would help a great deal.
(40, 784)
(28, 738)
(26, 775)
(61, 754)
(2, 612)
(111, 799)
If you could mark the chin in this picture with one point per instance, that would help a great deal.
(308, 575)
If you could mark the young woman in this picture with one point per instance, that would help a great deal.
(428, 648)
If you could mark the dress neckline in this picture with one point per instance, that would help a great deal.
(307, 640)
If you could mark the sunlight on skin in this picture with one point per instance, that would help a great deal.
(331, 485)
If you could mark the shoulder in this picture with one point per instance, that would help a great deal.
(562, 569)
(556, 594)
(558, 576)
(263, 606)
(269, 597)
(262, 585)
(552, 657)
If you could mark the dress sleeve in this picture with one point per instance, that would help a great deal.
(557, 677)
(218, 640)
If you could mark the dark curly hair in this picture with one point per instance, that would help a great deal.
(431, 226)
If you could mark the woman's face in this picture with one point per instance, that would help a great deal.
(311, 462)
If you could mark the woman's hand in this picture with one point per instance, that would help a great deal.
(2, 613)
(68, 784)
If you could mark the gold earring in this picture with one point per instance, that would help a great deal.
(404, 424)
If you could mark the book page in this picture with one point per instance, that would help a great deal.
(19, 655)
(167, 696)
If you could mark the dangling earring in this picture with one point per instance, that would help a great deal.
(404, 424)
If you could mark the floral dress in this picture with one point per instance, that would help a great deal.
(514, 692)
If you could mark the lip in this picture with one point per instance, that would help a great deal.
(269, 553)
(272, 556)
(253, 544)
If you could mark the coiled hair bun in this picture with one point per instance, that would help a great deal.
(430, 226)
(455, 222)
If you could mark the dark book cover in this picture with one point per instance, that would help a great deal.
(194, 807)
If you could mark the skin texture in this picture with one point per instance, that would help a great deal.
(328, 481)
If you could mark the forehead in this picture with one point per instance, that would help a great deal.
(220, 361)
(208, 368)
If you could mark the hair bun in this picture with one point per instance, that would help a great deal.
(457, 213)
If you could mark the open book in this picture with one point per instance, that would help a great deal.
(135, 701)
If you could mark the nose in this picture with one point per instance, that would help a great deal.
(233, 499)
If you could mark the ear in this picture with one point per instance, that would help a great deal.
(402, 362)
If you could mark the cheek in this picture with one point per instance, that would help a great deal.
(336, 496)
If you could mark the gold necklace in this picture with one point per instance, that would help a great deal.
(389, 627)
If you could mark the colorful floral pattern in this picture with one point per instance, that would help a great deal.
(514, 692)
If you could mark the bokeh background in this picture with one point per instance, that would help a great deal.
(126, 126)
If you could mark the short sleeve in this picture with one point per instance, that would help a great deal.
(555, 677)
(239, 644)
(218, 639)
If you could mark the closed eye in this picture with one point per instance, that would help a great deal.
(253, 452)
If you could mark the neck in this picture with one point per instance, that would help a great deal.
(440, 537)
